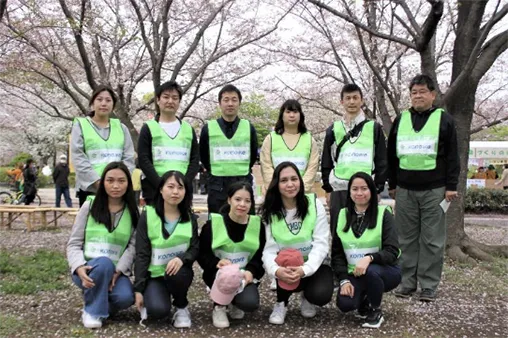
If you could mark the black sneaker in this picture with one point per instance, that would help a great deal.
(402, 292)
(427, 295)
(374, 319)
(363, 310)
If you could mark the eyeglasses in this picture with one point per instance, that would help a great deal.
(420, 92)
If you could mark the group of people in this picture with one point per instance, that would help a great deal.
(24, 176)
(289, 237)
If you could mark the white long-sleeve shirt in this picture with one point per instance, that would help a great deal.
(320, 243)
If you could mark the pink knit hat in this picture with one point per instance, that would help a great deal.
(226, 285)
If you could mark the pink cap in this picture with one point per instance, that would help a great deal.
(225, 287)
(289, 257)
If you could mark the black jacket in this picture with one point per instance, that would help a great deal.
(218, 183)
(29, 181)
(61, 175)
(145, 159)
(144, 251)
(207, 259)
(446, 173)
(387, 256)
(380, 161)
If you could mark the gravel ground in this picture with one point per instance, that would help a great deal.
(472, 303)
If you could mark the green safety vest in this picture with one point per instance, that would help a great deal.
(369, 242)
(302, 240)
(99, 242)
(238, 253)
(418, 150)
(229, 157)
(164, 250)
(354, 156)
(101, 152)
(300, 155)
(170, 153)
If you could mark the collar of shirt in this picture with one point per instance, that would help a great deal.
(354, 122)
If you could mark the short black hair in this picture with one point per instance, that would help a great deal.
(291, 105)
(349, 88)
(422, 79)
(167, 86)
(228, 89)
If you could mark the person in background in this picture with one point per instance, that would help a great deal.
(61, 179)
(504, 178)
(17, 175)
(136, 182)
(492, 173)
(29, 182)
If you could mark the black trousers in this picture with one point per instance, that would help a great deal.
(82, 195)
(158, 292)
(371, 286)
(338, 201)
(317, 289)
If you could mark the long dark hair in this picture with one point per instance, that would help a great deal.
(273, 200)
(371, 212)
(291, 105)
(100, 206)
(96, 92)
(184, 206)
(232, 189)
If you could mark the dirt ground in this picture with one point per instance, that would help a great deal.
(473, 302)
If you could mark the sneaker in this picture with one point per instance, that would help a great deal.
(364, 309)
(182, 318)
(220, 317)
(278, 314)
(307, 309)
(91, 322)
(273, 285)
(235, 313)
(374, 319)
(402, 292)
(427, 295)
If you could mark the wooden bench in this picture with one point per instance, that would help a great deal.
(15, 211)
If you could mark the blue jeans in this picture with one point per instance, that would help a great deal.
(67, 196)
(371, 286)
(99, 302)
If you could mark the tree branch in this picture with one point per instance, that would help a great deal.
(354, 21)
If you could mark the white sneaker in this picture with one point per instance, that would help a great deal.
(235, 313)
(91, 322)
(182, 318)
(307, 309)
(278, 314)
(220, 317)
(273, 284)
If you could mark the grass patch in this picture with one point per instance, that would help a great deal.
(29, 274)
(10, 325)
(487, 277)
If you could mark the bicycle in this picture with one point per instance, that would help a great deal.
(17, 199)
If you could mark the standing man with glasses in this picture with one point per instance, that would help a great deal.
(423, 159)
